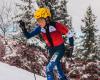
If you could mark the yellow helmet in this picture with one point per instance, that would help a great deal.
(42, 13)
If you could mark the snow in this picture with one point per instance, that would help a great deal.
(8, 72)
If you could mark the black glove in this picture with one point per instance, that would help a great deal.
(22, 25)
(69, 51)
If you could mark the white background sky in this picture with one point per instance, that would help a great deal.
(77, 9)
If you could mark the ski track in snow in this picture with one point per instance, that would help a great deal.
(8, 72)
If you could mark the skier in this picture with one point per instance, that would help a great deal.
(52, 34)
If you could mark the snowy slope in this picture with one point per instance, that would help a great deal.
(8, 72)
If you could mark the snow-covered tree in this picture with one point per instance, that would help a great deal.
(98, 42)
(28, 57)
(89, 33)
(98, 46)
(2, 48)
(5, 17)
(6, 13)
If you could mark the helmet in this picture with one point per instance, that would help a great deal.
(42, 13)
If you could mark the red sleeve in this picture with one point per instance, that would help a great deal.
(62, 28)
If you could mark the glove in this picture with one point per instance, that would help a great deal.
(69, 51)
(22, 25)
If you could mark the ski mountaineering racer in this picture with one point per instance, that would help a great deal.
(52, 34)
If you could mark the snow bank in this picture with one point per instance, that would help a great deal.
(8, 72)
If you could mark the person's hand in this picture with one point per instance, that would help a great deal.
(69, 51)
(22, 25)
(71, 48)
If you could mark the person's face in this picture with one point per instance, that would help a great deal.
(41, 22)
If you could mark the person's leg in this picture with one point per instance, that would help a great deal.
(60, 72)
(55, 61)
(50, 67)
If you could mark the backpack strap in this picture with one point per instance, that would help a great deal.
(48, 33)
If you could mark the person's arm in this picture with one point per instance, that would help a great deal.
(70, 36)
(29, 34)
(33, 33)
(65, 31)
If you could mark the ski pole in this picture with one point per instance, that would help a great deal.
(34, 76)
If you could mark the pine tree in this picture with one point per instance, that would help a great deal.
(89, 33)
(98, 46)
(98, 43)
